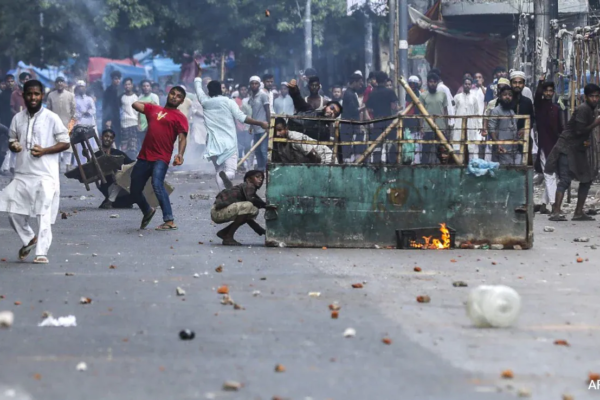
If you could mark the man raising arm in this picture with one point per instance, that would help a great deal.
(165, 125)
(219, 115)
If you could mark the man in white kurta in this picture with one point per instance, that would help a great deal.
(37, 136)
(219, 115)
(467, 103)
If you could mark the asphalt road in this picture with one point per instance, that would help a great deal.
(128, 335)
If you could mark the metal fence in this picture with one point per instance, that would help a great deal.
(401, 140)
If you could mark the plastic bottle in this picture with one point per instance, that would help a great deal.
(493, 306)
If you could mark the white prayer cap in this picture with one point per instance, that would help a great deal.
(183, 87)
(80, 83)
(517, 74)
(284, 83)
(358, 72)
(414, 79)
(255, 79)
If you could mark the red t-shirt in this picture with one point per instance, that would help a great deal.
(164, 124)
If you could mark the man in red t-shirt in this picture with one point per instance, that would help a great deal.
(165, 125)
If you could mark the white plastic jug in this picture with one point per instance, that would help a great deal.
(493, 306)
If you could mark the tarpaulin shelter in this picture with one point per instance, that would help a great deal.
(161, 67)
(46, 75)
(127, 71)
(453, 51)
(96, 66)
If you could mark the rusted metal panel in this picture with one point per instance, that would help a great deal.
(363, 206)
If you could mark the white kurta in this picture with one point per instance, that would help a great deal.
(323, 151)
(35, 189)
(467, 104)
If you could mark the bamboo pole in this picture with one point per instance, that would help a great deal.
(253, 149)
(271, 133)
(464, 137)
(222, 67)
(526, 137)
(336, 140)
(440, 135)
(382, 137)
(422, 141)
(399, 137)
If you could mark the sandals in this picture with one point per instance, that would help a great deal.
(231, 242)
(147, 218)
(41, 260)
(582, 217)
(25, 250)
(558, 218)
(166, 227)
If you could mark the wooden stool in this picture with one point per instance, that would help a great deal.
(81, 135)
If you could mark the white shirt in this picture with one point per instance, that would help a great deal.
(443, 88)
(35, 189)
(44, 129)
(284, 105)
(527, 93)
(129, 117)
(467, 104)
(219, 115)
(324, 152)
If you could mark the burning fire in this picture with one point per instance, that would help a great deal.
(435, 244)
(71, 126)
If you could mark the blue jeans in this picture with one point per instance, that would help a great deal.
(261, 152)
(142, 171)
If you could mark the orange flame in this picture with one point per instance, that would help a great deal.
(71, 126)
(435, 244)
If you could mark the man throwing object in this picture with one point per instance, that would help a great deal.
(165, 125)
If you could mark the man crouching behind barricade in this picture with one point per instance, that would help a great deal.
(298, 153)
(318, 130)
(239, 205)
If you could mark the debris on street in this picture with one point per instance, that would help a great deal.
(232, 386)
(349, 332)
(223, 290)
(357, 285)
(63, 322)
(6, 319)
(423, 299)
(180, 291)
(507, 374)
(314, 294)
(386, 340)
(279, 368)
(582, 239)
(85, 300)
(493, 306)
(81, 367)
(187, 334)
(561, 342)
(459, 284)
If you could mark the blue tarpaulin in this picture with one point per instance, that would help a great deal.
(127, 71)
(46, 76)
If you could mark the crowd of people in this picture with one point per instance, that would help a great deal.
(150, 129)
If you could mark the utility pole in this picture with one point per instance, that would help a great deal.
(392, 61)
(308, 36)
(543, 32)
(403, 44)
(368, 40)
